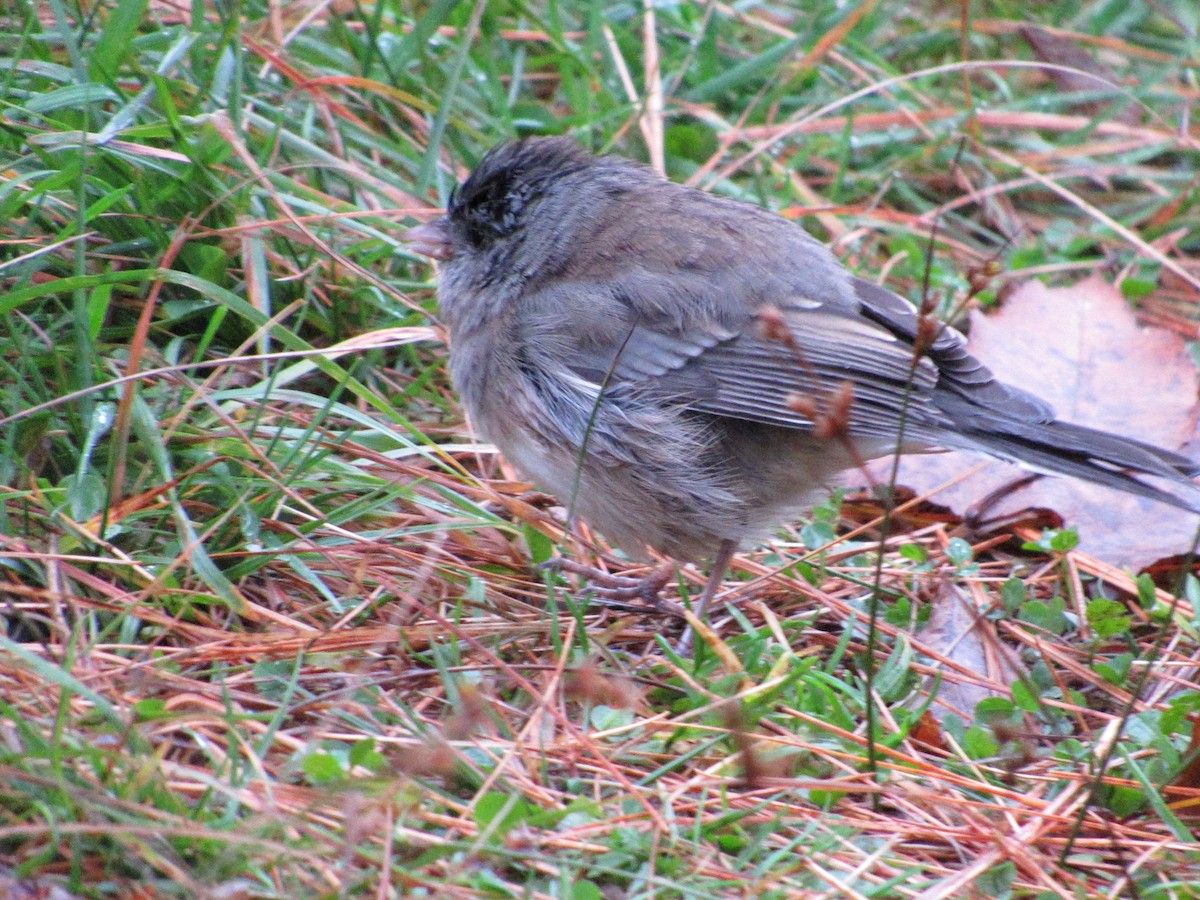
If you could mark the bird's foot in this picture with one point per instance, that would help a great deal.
(623, 592)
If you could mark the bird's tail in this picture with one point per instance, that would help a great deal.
(1061, 448)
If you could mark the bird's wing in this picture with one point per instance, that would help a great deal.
(756, 363)
(960, 374)
(788, 363)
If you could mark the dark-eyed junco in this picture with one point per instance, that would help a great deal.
(685, 371)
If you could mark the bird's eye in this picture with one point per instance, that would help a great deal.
(491, 209)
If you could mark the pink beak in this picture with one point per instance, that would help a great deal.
(431, 239)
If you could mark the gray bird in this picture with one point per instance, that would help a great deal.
(685, 371)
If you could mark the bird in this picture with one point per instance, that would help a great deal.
(687, 371)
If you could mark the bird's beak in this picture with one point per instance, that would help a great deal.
(431, 239)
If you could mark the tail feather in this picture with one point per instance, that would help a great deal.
(1065, 449)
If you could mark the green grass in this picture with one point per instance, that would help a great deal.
(272, 623)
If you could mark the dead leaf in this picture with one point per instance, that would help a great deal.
(1082, 349)
(588, 682)
(1061, 50)
(1189, 775)
(15, 888)
(960, 640)
(928, 731)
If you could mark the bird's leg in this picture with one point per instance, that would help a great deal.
(723, 558)
(621, 591)
(644, 594)
(715, 578)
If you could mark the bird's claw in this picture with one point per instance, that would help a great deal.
(623, 592)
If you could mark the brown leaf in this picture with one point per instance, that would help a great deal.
(1082, 349)
(14, 888)
(928, 731)
(588, 682)
(1060, 50)
(957, 634)
(1189, 776)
